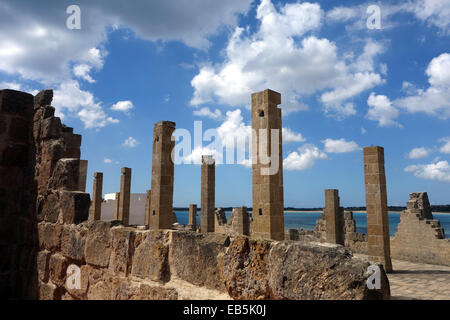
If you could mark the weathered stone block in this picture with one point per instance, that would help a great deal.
(50, 128)
(58, 269)
(74, 207)
(98, 248)
(42, 264)
(47, 291)
(122, 251)
(73, 241)
(49, 236)
(65, 175)
(151, 256)
(43, 98)
(16, 102)
(193, 257)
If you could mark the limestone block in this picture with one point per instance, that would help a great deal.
(122, 251)
(43, 98)
(74, 207)
(51, 128)
(16, 102)
(73, 241)
(98, 248)
(193, 257)
(58, 269)
(65, 175)
(150, 259)
(49, 236)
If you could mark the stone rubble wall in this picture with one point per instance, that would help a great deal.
(419, 237)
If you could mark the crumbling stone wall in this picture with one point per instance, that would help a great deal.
(18, 225)
(419, 237)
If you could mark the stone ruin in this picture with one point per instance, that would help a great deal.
(45, 228)
(419, 236)
(337, 226)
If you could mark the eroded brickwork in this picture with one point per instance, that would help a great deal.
(376, 206)
(161, 206)
(419, 236)
(267, 193)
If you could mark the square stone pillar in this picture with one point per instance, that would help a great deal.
(193, 216)
(148, 200)
(208, 194)
(82, 175)
(267, 192)
(116, 206)
(377, 209)
(96, 204)
(241, 221)
(333, 217)
(161, 206)
(124, 199)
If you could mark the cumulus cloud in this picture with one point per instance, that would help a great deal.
(304, 158)
(82, 71)
(438, 171)
(195, 157)
(446, 147)
(124, 106)
(433, 12)
(381, 110)
(130, 142)
(206, 112)
(35, 43)
(69, 99)
(418, 153)
(300, 64)
(435, 100)
(107, 161)
(340, 146)
(291, 136)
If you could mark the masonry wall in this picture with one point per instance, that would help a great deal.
(419, 236)
(18, 225)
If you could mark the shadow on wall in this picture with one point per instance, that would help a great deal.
(18, 192)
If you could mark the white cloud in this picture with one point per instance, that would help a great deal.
(130, 142)
(82, 71)
(363, 131)
(196, 155)
(446, 147)
(418, 153)
(381, 110)
(124, 106)
(291, 136)
(69, 99)
(342, 14)
(434, 12)
(300, 64)
(435, 100)
(304, 159)
(107, 161)
(10, 85)
(438, 171)
(206, 112)
(339, 146)
(36, 43)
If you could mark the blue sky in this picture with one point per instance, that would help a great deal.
(344, 86)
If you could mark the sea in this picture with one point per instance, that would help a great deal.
(307, 220)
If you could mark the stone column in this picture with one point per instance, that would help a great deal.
(241, 221)
(82, 175)
(377, 210)
(116, 206)
(268, 199)
(161, 206)
(148, 199)
(193, 216)
(124, 200)
(208, 194)
(333, 217)
(96, 205)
